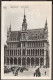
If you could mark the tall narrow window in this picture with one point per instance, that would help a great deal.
(24, 44)
(24, 36)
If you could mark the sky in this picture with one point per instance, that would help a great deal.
(36, 15)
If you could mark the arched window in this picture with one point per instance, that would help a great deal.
(19, 61)
(8, 52)
(38, 52)
(42, 35)
(23, 44)
(35, 44)
(28, 61)
(23, 61)
(18, 52)
(41, 61)
(37, 61)
(12, 52)
(33, 52)
(39, 44)
(11, 60)
(7, 60)
(15, 60)
(42, 51)
(28, 44)
(43, 44)
(29, 52)
(23, 52)
(38, 36)
(32, 61)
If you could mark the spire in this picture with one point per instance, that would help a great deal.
(46, 24)
(10, 28)
(24, 10)
(24, 20)
(7, 30)
(24, 24)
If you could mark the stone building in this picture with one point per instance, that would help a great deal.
(27, 47)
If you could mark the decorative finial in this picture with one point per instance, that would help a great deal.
(7, 30)
(46, 23)
(10, 28)
(24, 20)
(24, 10)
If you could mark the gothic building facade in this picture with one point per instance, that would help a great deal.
(27, 47)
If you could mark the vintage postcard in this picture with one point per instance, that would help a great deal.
(26, 39)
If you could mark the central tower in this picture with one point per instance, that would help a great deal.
(24, 24)
(24, 34)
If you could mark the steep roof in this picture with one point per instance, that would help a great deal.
(32, 34)
(15, 34)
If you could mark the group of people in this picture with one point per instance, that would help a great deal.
(20, 69)
(37, 73)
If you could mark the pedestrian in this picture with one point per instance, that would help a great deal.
(39, 74)
(34, 73)
(45, 73)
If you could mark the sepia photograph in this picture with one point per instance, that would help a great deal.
(26, 39)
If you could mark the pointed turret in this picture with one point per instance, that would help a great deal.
(46, 30)
(46, 24)
(8, 32)
(24, 34)
(24, 24)
(10, 28)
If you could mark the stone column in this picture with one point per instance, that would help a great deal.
(35, 62)
(26, 62)
(30, 52)
(21, 53)
(13, 52)
(21, 48)
(39, 62)
(17, 61)
(9, 61)
(9, 52)
(39, 52)
(5, 60)
(26, 57)
(26, 52)
(13, 61)
(44, 57)
(30, 62)
(21, 61)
